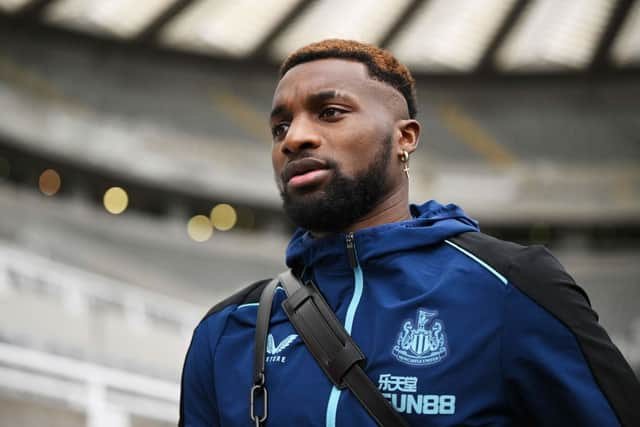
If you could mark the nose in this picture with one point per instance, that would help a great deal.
(301, 135)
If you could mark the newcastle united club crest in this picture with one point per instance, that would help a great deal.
(422, 343)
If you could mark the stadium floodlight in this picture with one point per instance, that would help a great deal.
(12, 5)
(555, 35)
(450, 35)
(357, 20)
(228, 27)
(120, 18)
(626, 48)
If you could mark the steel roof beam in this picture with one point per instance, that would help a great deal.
(156, 25)
(401, 21)
(33, 9)
(601, 59)
(487, 61)
(260, 51)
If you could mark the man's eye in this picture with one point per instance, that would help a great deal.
(331, 112)
(279, 130)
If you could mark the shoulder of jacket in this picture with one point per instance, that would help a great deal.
(497, 253)
(537, 274)
(247, 295)
(532, 269)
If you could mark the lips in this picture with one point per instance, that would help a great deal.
(301, 167)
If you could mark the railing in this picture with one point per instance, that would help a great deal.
(109, 397)
(54, 307)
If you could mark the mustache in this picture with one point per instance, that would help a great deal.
(328, 163)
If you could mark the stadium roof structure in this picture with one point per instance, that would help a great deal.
(431, 36)
(532, 101)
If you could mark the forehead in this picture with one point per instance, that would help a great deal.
(325, 74)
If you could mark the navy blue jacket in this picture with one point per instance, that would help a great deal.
(458, 328)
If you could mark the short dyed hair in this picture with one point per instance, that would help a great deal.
(380, 63)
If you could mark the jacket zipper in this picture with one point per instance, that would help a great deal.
(352, 254)
(334, 396)
(351, 251)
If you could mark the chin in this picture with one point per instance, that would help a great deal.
(311, 195)
(309, 191)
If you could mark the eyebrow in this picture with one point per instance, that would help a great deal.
(323, 96)
(277, 111)
(315, 98)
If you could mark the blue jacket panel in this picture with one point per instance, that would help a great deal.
(450, 338)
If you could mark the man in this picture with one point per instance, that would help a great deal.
(458, 328)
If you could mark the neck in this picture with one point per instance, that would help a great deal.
(393, 208)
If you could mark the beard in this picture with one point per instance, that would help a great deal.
(343, 200)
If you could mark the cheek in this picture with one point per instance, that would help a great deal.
(277, 164)
(277, 159)
(360, 150)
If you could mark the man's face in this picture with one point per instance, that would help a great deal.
(332, 139)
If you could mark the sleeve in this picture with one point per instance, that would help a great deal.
(559, 365)
(198, 407)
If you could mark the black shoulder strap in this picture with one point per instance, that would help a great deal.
(325, 337)
(258, 390)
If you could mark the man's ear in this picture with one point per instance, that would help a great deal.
(409, 132)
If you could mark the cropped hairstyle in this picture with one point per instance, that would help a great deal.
(380, 63)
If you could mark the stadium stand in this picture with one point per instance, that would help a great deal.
(530, 116)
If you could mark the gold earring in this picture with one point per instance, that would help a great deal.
(404, 158)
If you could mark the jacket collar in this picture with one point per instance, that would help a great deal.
(432, 224)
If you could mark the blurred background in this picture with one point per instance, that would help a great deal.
(136, 188)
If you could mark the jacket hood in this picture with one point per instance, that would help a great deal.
(432, 223)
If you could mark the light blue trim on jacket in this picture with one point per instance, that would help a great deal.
(255, 304)
(334, 396)
(479, 261)
(355, 300)
(251, 304)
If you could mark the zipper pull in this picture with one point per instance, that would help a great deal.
(351, 250)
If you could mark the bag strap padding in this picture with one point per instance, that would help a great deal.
(326, 339)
